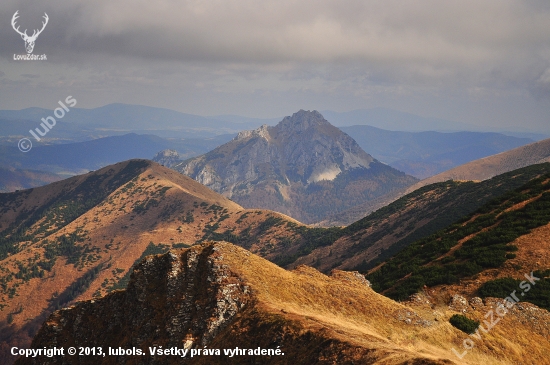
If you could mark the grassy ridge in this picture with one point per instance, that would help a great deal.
(441, 204)
(453, 200)
(485, 235)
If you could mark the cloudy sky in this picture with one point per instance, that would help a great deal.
(480, 62)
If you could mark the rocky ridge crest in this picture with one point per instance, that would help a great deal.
(218, 295)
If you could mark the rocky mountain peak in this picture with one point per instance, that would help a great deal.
(167, 153)
(304, 167)
(302, 120)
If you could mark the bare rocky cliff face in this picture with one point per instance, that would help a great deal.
(179, 299)
(304, 167)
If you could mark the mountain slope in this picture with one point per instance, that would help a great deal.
(490, 239)
(478, 170)
(303, 167)
(218, 296)
(79, 238)
(375, 238)
(490, 266)
(424, 154)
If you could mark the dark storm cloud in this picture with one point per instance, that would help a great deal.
(473, 49)
(451, 33)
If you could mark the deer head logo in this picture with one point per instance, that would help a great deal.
(29, 41)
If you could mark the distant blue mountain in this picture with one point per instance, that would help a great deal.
(114, 119)
(246, 120)
(395, 120)
(423, 154)
(72, 158)
(103, 136)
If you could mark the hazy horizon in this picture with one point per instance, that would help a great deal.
(480, 63)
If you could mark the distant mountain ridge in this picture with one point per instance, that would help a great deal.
(74, 158)
(304, 167)
(396, 120)
(424, 154)
(118, 118)
(485, 168)
(16, 179)
(114, 119)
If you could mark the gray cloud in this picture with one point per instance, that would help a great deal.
(347, 54)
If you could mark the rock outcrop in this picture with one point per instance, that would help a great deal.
(168, 158)
(180, 299)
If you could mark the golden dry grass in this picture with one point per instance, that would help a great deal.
(348, 310)
(340, 305)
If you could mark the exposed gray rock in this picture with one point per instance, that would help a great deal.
(476, 302)
(411, 317)
(458, 303)
(168, 158)
(179, 299)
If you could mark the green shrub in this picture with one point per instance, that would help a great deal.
(499, 288)
(539, 294)
(463, 323)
